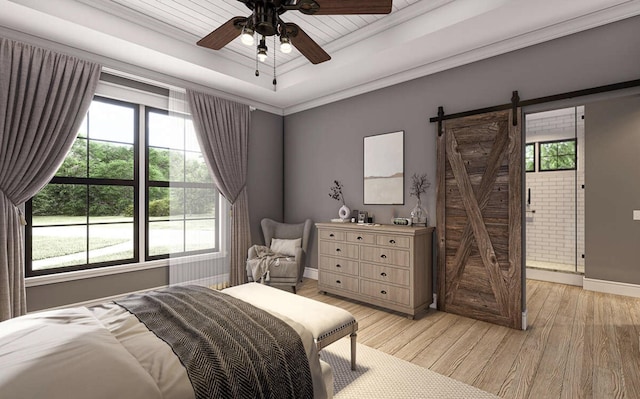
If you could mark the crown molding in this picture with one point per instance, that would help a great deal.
(593, 20)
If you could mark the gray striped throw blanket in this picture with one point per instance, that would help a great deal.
(230, 349)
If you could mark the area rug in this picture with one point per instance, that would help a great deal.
(382, 376)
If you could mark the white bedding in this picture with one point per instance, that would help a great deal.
(104, 352)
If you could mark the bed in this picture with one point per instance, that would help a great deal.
(106, 351)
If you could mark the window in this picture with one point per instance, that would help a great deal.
(182, 199)
(557, 155)
(89, 214)
(530, 157)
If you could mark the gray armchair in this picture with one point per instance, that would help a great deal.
(287, 273)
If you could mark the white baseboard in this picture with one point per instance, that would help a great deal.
(589, 284)
(310, 273)
(555, 277)
(612, 287)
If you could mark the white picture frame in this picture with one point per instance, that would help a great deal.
(383, 177)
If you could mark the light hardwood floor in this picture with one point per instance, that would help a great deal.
(579, 344)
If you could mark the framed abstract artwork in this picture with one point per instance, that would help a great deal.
(384, 169)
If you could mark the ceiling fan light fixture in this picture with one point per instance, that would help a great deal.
(247, 36)
(265, 21)
(285, 45)
(262, 50)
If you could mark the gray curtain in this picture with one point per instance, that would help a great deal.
(222, 128)
(44, 97)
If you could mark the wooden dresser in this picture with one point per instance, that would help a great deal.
(386, 265)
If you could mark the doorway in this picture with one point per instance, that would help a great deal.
(555, 190)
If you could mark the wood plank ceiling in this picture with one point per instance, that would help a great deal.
(197, 18)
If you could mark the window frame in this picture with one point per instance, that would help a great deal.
(140, 185)
(87, 182)
(575, 154)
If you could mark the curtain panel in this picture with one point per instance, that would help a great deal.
(208, 271)
(44, 97)
(222, 128)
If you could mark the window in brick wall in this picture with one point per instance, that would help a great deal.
(557, 155)
(530, 157)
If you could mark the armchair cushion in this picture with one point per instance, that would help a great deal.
(285, 247)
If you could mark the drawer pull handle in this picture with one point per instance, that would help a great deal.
(383, 292)
(331, 235)
(338, 265)
(338, 282)
(383, 256)
(359, 238)
(392, 241)
(383, 274)
(338, 249)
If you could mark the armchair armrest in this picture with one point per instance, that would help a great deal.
(299, 255)
(251, 253)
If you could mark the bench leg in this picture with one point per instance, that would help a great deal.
(353, 350)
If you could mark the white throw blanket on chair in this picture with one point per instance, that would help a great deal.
(261, 263)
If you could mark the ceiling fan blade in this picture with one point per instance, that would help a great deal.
(306, 45)
(224, 34)
(345, 7)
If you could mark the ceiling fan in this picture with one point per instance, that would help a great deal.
(265, 20)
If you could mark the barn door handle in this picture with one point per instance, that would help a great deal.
(383, 292)
(383, 256)
(392, 241)
(383, 274)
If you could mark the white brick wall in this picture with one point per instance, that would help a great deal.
(555, 232)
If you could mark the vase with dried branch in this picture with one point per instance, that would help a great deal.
(336, 193)
(419, 186)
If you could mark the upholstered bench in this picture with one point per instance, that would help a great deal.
(327, 323)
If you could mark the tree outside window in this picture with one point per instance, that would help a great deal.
(558, 155)
(530, 157)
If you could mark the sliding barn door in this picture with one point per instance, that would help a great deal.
(479, 218)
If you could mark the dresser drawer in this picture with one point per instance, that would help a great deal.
(385, 291)
(387, 256)
(393, 241)
(361, 238)
(385, 274)
(339, 281)
(331, 235)
(340, 249)
(339, 265)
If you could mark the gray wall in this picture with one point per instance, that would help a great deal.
(265, 200)
(60, 294)
(612, 135)
(265, 184)
(325, 143)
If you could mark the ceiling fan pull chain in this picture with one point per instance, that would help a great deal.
(275, 82)
(257, 71)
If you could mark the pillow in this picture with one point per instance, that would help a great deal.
(285, 247)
